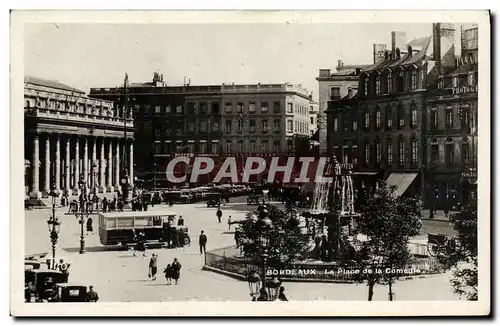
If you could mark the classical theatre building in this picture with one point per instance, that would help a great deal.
(69, 136)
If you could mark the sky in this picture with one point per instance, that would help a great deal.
(98, 55)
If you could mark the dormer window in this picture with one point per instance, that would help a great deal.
(471, 80)
(377, 85)
(414, 78)
(366, 85)
(440, 84)
(389, 82)
(455, 81)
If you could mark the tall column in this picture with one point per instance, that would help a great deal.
(117, 166)
(109, 182)
(85, 160)
(102, 183)
(93, 164)
(67, 185)
(77, 164)
(58, 163)
(47, 164)
(131, 164)
(35, 165)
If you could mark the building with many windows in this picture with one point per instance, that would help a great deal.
(384, 131)
(69, 136)
(212, 120)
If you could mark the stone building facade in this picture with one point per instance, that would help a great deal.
(69, 136)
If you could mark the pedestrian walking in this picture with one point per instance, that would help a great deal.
(229, 222)
(219, 215)
(282, 296)
(168, 274)
(153, 266)
(176, 270)
(90, 228)
(203, 242)
(92, 295)
(140, 244)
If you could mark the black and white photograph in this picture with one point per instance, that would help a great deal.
(317, 158)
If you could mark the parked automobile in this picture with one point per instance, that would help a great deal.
(65, 292)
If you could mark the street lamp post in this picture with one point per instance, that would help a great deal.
(54, 224)
(83, 211)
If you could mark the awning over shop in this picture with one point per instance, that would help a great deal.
(401, 181)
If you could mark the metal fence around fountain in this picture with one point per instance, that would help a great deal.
(229, 259)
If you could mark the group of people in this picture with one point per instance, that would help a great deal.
(94, 204)
(171, 272)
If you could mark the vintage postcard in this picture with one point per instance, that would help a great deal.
(196, 163)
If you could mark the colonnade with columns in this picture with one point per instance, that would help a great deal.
(59, 160)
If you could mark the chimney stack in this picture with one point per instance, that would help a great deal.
(398, 40)
(443, 41)
(339, 65)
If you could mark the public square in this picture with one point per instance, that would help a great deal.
(119, 276)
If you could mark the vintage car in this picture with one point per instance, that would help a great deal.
(253, 199)
(43, 282)
(30, 264)
(213, 199)
(66, 292)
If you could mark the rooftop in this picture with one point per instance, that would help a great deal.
(50, 83)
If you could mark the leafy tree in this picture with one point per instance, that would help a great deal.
(460, 256)
(388, 222)
(285, 239)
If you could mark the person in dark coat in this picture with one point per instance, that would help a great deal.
(282, 296)
(153, 266)
(203, 242)
(176, 270)
(92, 296)
(90, 228)
(219, 215)
(168, 274)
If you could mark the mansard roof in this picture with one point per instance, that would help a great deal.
(50, 83)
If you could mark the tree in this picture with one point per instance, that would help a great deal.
(388, 222)
(460, 256)
(285, 240)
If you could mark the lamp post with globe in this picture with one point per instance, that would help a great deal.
(83, 212)
(53, 223)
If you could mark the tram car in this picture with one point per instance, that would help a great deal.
(121, 227)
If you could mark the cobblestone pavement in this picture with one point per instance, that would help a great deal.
(119, 276)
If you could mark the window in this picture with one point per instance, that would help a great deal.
(367, 154)
(240, 125)
(228, 107)
(365, 88)
(264, 145)
(335, 124)
(434, 118)
(229, 125)
(414, 117)
(180, 127)
(378, 153)
(465, 152)
(354, 125)
(434, 152)
(251, 125)
(264, 107)
(289, 125)
(277, 146)
(414, 74)
(400, 81)
(157, 148)
(335, 93)
(168, 109)
(449, 152)
(389, 153)
(289, 107)
(377, 119)
(402, 152)
(401, 116)
(350, 94)
(389, 83)
(471, 80)
(157, 132)
(241, 148)
(229, 146)
(215, 108)
(377, 85)
(168, 147)
(215, 148)
(276, 125)
(312, 120)
(203, 126)
(449, 118)
(191, 108)
(265, 127)
(203, 108)
(464, 119)
(388, 118)
(253, 147)
(440, 84)
(414, 152)
(203, 148)
(455, 81)
(215, 126)
(367, 120)
(157, 109)
(178, 109)
(276, 107)
(239, 107)
(251, 107)
(190, 126)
